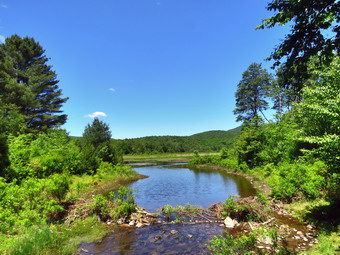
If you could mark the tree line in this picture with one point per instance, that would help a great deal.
(297, 149)
(203, 142)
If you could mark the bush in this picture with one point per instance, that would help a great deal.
(101, 207)
(58, 185)
(228, 245)
(293, 180)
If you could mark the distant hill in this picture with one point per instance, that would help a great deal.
(203, 142)
(217, 139)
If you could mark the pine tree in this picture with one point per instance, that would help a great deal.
(251, 92)
(30, 84)
(97, 132)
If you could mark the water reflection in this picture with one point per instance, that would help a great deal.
(155, 239)
(178, 186)
(175, 186)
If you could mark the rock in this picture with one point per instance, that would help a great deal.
(230, 223)
(173, 232)
(309, 226)
(157, 238)
(132, 223)
(120, 221)
(139, 225)
(190, 236)
(153, 215)
(267, 240)
(299, 233)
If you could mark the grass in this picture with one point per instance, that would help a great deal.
(64, 239)
(329, 244)
(55, 239)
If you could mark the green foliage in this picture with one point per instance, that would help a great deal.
(58, 185)
(34, 239)
(101, 207)
(27, 204)
(262, 198)
(167, 210)
(48, 153)
(294, 180)
(226, 244)
(29, 83)
(124, 203)
(319, 118)
(96, 146)
(96, 133)
(241, 210)
(206, 160)
(309, 35)
(251, 92)
(249, 145)
(202, 142)
(116, 205)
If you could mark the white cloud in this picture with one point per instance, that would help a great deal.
(3, 6)
(96, 115)
(112, 89)
(2, 39)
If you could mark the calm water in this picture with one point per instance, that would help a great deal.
(175, 186)
(178, 186)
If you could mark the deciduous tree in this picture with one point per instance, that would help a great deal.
(314, 31)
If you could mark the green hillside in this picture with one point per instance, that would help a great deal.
(202, 142)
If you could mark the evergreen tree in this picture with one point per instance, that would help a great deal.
(97, 132)
(251, 92)
(97, 146)
(29, 83)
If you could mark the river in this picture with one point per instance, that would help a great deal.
(174, 185)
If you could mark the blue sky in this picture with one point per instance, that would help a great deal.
(166, 67)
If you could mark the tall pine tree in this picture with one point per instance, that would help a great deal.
(251, 92)
(28, 83)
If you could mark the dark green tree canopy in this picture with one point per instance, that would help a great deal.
(315, 31)
(97, 132)
(29, 83)
(251, 92)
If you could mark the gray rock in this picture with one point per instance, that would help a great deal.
(173, 232)
(229, 222)
(139, 225)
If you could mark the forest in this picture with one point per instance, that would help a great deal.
(44, 171)
(210, 141)
(297, 150)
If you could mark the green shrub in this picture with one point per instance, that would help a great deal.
(122, 210)
(58, 185)
(224, 245)
(290, 180)
(101, 207)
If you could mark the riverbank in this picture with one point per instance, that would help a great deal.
(77, 222)
(318, 215)
(258, 184)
